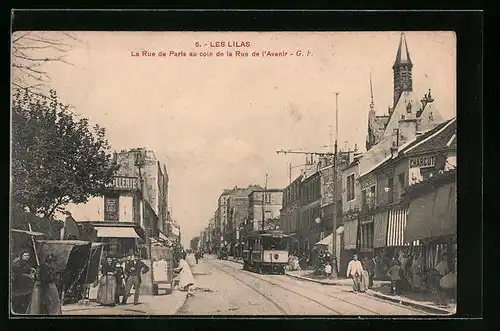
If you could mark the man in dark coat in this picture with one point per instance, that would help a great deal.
(133, 271)
(22, 282)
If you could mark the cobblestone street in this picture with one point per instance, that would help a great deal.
(225, 289)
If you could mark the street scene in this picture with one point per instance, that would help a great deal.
(231, 174)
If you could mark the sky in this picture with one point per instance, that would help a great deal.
(217, 122)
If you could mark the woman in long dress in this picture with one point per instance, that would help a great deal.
(416, 273)
(186, 279)
(106, 293)
(50, 301)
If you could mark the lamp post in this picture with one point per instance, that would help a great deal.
(334, 205)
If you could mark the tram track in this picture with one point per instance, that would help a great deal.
(358, 306)
(224, 268)
(274, 303)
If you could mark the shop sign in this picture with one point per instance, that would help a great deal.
(423, 162)
(125, 183)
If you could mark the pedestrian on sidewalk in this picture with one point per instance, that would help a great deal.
(369, 266)
(133, 271)
(186, 279)
(50, 301)
(355, 271)
(394, 274)
(416, 271)
(106, 293)
(120, 281)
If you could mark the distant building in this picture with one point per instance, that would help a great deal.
(264, 207)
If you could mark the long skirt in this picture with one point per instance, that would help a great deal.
(416, 281)
(45, 300)
(365, 280)
(107, 290)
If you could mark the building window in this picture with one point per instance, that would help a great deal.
(111, 208)
(372, 196)
(350, 188)
(390, 188)
(268, 198)
(402, 183)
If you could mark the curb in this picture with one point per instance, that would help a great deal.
(316, 281)
(433, 310)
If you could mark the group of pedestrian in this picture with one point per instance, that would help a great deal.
(118, 278)
(361, 274)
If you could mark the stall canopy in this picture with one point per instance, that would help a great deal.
(116, 232)
(380, 229)
(350, 234)
(432, 215)
(327, 241)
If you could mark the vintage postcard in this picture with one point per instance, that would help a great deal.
(233, 173)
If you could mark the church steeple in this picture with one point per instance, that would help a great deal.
(402, 70)
(372, 105)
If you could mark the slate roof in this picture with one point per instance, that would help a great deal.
(434, 139)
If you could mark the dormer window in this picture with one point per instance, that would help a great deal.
(431, 117)
(408, 107)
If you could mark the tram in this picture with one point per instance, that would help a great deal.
(265, 251)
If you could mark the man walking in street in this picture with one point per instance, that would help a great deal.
(133, 271)
(354, 271)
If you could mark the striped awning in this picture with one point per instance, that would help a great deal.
(396, 228)
(350, 234)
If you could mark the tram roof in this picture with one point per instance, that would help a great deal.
(273, 234)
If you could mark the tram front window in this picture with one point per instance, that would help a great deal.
(275, 243)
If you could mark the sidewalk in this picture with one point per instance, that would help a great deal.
(381, 289)
(162, 304)
(420, 300)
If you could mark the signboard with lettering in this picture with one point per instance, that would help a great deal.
(423, 162)
(110, 208)
(125, 183)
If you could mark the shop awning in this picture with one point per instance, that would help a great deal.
(350, 234)
(380, 229)
(116, 232)
(327, 241)
(433, 215)
(396, 227)
(420, 217)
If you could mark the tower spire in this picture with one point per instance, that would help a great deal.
(403, 55)
(402, 69)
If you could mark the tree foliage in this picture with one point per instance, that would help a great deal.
(56, 159)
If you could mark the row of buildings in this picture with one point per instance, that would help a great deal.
(134, 207)
(397, 199)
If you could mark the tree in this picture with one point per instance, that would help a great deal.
(56, 159)
(31, 50)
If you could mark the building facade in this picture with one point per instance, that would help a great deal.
(129, 207)
(264, 209)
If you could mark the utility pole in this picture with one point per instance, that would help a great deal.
(334, 201)
(263, 204)
(289, 173)
(140, 162)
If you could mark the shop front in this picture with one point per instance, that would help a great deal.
(432, 220)
(350, 244)
(366, 229)
(119, 240)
